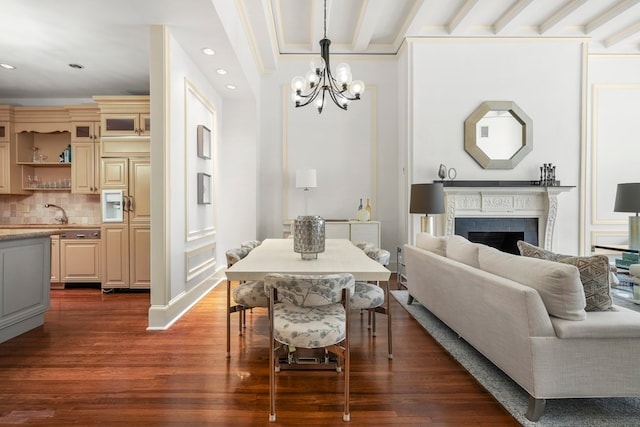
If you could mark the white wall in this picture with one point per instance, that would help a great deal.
(185, 234)
(354, 151)
(449, 78)
(612, 149)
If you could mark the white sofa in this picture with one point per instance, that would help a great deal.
(500, 304)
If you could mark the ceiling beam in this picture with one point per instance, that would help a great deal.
(461, 15)
(625, 33)
(511, 13)
(610, 14)
(367, 24)
(560, 15)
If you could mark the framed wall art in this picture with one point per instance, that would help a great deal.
(204, 142)
(204, 189)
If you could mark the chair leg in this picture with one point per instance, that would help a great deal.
(347, 361)
(389, 338)
(272, 374)
(228, 318)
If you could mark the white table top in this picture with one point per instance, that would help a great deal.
(277, 256)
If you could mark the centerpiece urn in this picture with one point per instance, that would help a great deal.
(308, 236)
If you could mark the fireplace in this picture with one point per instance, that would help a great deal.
(500, 233)
(501, 203)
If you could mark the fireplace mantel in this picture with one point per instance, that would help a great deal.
(505, 199)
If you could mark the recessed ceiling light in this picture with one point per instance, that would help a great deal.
(232, 87)
(208, 51)
(76, 66)
(7, 66)
(221, 71)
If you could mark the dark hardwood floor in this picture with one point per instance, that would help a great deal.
(94, 364)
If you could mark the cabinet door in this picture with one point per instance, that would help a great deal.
(4, 131)
(140, 256)
(120, 124)
(139, 191)
(55, 259)
(114, 173)
(366, 232)
(145, 124)
(115, 260)
(85, 131)
(336, 230)
(5, 168)
(80, 260)
(83, 168)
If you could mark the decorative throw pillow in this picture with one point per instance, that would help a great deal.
(431, 243)
(462, 250)
(594, 274)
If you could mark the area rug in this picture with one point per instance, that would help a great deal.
(610, 412)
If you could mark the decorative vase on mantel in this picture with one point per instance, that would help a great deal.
(308, 236)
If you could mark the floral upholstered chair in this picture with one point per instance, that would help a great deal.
(246, 295)
(309, 311)
(371, 297)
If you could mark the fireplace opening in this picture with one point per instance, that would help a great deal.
(500, 233)
(506, 241)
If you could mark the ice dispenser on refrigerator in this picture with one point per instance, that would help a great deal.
(112, 205)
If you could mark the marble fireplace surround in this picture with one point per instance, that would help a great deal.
(504, 199)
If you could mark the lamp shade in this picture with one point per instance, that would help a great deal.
(427, 198)
(306, 178)
(628, 197)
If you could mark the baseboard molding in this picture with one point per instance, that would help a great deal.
(162, 317)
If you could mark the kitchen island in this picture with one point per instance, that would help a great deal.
(25, 265)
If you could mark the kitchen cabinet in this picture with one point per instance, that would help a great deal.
(124, 115)
(126, 259)
(55, 263)
(10, 172)
(80, 260)
(5, 131)
(85, 149)
(41, 135)
(126, 124)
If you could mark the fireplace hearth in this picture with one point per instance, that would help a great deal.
(500, 233)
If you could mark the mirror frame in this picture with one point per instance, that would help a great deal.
(471, 144)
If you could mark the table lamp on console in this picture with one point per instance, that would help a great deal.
(427, 199)
(628, 200)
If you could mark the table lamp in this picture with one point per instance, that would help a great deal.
(628, 200)
(427, 199)
(306, 179)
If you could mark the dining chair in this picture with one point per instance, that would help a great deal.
(309, 312)
(373, 298)
(246, 295)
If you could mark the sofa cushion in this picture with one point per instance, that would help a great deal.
(558, 284)
(437, 245)
(462, 250)
(594, 274)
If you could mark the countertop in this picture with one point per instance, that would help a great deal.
(48, 226)
(25, 233)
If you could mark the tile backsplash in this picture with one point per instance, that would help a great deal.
(80, 208)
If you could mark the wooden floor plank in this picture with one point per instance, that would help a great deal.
(94, 363)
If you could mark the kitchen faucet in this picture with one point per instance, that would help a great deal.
(64, 219)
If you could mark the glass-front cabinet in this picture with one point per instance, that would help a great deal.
(126, 124)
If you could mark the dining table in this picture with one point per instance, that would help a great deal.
(278, 256)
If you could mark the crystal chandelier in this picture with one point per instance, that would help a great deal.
(320, 82)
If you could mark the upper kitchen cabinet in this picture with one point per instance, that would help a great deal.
(85, 146)
(124, 115)
(42, 136)
(10, 172)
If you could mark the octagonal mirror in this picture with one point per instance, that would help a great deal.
(498, 135)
